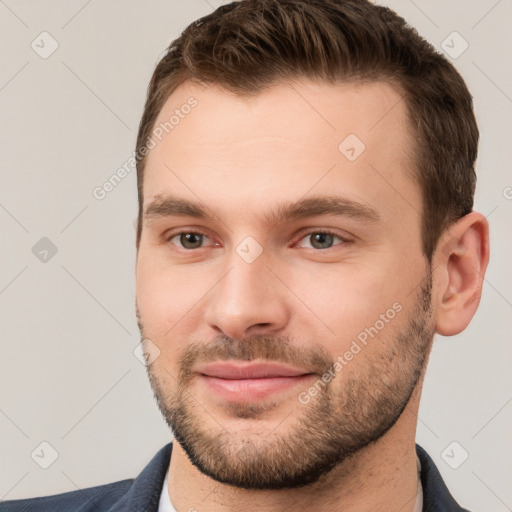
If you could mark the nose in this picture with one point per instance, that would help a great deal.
(248, 300)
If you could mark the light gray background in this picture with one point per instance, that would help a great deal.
(68, 375)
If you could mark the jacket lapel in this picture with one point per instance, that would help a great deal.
(144, 494)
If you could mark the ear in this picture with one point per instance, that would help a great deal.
(135, 224)
(460, 262)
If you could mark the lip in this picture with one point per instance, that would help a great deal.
(250, 382)
(232, 371)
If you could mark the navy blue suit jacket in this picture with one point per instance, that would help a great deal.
(143, 493)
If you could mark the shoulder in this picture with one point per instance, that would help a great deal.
(141, 494)
(98, 498)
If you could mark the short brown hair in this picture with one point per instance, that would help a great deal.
(249, 45)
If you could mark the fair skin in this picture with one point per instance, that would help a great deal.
(240, 158)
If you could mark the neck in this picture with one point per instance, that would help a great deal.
(381, 477)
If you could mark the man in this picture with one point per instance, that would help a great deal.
(306, 182)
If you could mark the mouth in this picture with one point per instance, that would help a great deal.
(250, 381)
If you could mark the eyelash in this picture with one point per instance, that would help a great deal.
(325, 232)
(316, 231)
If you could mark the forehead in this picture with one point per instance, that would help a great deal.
(289, 140)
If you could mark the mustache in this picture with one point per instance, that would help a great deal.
(314, 357)
(277, 349)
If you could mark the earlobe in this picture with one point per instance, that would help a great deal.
(460, 262)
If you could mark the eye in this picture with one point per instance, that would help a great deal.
(188, 239)
(322, 239)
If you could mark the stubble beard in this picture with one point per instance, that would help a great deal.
(326, 431)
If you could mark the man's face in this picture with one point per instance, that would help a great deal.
(336, 288)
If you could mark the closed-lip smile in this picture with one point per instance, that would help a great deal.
(249, 381)
(249, 370)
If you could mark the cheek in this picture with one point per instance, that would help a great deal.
(350, 302)
(345, 298)
(168, 298)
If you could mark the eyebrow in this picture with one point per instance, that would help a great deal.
(170, 206)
